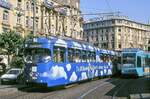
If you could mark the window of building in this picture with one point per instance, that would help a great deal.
(19, 4)
(5, 15)
(113, 38)
(36, 23)
(119, 45)
(106, 30)
(102, 23)
(102, 38)
(32, 6)
(18, 19)
(27, 6)
(113, 45)
(119, 21)
(27, 21)
(37, 9)
(96, 38)
(105, 45)
(113, 21)
(97, 24)
(119, 30)
(106, 37)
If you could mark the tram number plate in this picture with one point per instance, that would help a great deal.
(34, 69)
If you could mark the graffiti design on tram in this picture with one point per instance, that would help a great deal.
(54, 61)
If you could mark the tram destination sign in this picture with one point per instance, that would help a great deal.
(33, 45)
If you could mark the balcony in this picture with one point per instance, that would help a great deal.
(6, 23)
(19, 25)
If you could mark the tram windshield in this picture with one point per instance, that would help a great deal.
(37, 55)
(128, 59)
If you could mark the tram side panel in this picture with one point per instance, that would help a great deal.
(61, 71)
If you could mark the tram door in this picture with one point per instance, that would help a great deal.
(147, 65)
(139, 61)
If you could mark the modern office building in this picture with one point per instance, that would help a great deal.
(116, 33)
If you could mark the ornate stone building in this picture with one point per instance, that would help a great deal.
(53, 17)
(116, 33)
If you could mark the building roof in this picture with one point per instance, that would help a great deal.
(113, 18)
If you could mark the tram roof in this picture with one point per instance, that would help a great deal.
(131, 50)
(71, 43)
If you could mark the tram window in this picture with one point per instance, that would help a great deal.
(111, 58)
(138, 61)
(71, 55)
(37, 55)
(77, 56)
(107, 58)
(59, 54)
(84, 56)
(147, 61)
(102, 57)
(93, 57)
(89, 57)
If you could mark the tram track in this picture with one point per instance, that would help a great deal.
(93, 89)
(78, 92)
(11, 86)
(121, 85)
(29, 93)
(14, 95)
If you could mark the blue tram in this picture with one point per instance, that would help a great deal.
(135, 62)
(54, 61)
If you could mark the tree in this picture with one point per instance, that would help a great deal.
(17, 62)
(11, 42)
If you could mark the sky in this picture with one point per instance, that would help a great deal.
(138, 10)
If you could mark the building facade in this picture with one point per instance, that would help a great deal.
(52, 17)
(116, 33)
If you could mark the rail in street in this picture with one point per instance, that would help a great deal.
(107, 88)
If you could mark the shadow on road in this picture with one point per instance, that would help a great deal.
(40, 89)
(127, 86)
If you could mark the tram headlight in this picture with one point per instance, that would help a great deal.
(46, 59)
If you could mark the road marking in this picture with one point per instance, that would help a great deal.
(119, 89)
(9, 86)
(104, 83)
(140, 96)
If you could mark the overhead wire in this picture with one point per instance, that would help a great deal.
(108, 4)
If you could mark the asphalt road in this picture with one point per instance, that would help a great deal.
(108, 88)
